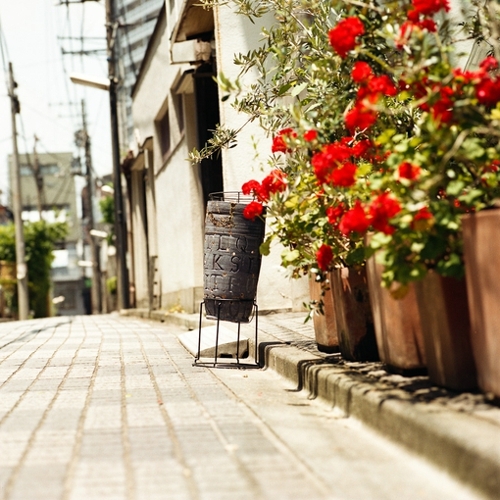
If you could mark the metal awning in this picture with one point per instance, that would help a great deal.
(194, 20)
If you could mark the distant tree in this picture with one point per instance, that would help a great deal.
(40, 238)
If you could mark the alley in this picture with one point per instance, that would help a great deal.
(102, 407)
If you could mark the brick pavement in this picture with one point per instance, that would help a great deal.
(109, 407)
(100, 407)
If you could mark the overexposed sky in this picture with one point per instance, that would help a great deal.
(34, 33)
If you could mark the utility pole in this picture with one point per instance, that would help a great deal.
(22, 269)
(120, 222)
(94, 246)
(38, 181)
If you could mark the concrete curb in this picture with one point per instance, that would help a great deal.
(466, 446)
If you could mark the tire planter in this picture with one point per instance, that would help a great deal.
(481, 233)
(325, 325)
(231, 259)
(398, 328)
(444, 313)
(354, 318)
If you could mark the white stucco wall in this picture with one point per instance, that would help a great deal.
(248, 160)
(178, 199)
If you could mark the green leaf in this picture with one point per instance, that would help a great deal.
(265, 247)
(455, 188)
(298, 89)
(290, 255)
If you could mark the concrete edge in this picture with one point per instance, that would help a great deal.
(451, 440)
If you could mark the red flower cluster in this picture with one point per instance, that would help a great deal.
(427, 8)
(279, 141)
(275, 182)
(354, 220)
(335, 213)
(378, 214)
(343, 37)
(324, 257)
(383, 208)
(331, 165)
(362, 116)
(420, 19)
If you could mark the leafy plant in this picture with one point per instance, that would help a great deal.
(40, 238)
(375, 130)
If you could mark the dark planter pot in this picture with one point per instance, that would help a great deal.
(481, 233)
(231, 259)
(354, 318)
(444, 313)
(398, 328)
(325, 325)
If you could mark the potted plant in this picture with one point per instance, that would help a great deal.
(383, 133)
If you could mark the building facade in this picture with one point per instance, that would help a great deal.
(48, 186)
(176, 106)
(137, 19)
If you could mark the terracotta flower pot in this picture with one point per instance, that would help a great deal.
(353, 314)
(398, 328)
(325, 325)
(482, 260)
(444, 314)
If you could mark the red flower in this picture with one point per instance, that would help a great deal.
(493, 166)
(273, 183)
(360, 118)
(331, 156)
(423, 214)
(489, 63)
(310, 135)
(361, 72)
(361, 148)
(430, 7)
(354, 219)
(279, 144)
(252, 210)
(488, 91)
(421, 219)
(442, 110)
(250, 187)
(324, 257)
(334, 213)
(408, 171)
(383, 208)
(343, 36)
(382, 85)
(345, 175)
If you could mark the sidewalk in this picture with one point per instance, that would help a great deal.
(459, 432)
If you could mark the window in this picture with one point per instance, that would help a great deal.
(164, 134)
(25, 170)
(49, 169)
(179, 111)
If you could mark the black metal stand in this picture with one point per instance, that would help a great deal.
(227, 364)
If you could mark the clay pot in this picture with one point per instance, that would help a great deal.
(444, 313)
(354, 318)
(325, 325)
(481, 233)
(398, 328)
